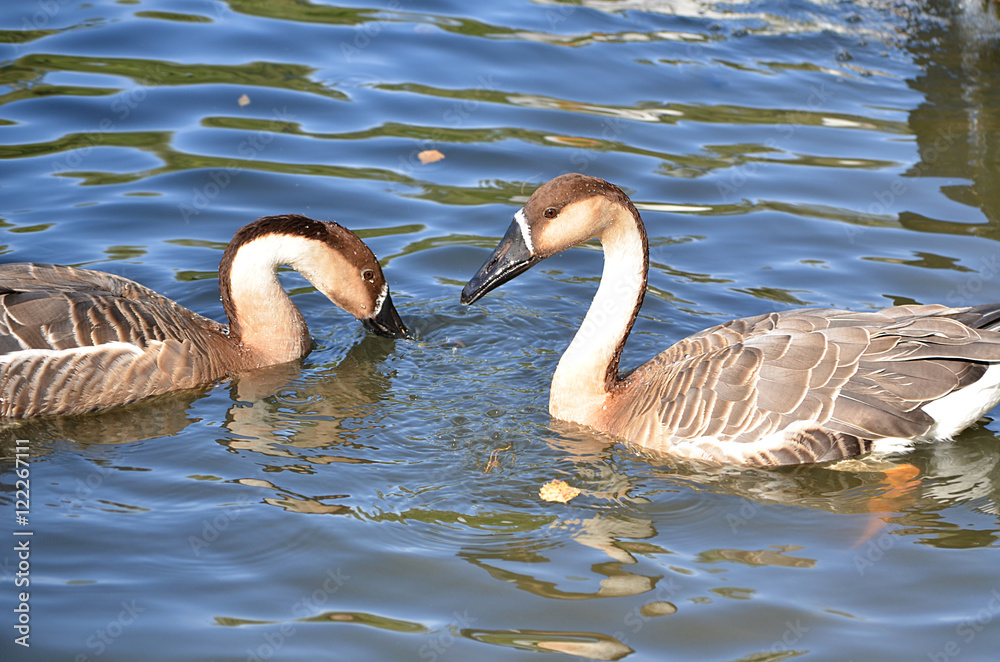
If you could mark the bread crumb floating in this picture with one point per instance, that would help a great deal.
(430, 156)
(558, 490)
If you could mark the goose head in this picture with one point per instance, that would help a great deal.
(331, 257)
(563, 212)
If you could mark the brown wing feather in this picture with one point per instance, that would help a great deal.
(854, 377)
(73, 340)
(52, 307)
(88, 379)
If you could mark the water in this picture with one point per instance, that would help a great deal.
(379, 499)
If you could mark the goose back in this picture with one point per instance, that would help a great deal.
(805, 385)
(75, 340)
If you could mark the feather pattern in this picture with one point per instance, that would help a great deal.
(808, 385)
(855, 377)
(76, 340)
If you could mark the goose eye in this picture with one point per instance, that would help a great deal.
(368, 275)
(550, 212)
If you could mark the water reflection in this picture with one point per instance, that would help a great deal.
(957, 124)
(284, 413)
(278, 411)
(587, 645)
(161, 416)
(606, 534)
(778, 558)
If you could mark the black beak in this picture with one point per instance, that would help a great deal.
(510, 258)
(387, 323)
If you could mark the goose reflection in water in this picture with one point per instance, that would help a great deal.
(258, 420)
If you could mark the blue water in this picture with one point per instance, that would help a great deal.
(379, 499)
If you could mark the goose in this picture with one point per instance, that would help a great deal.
(793, 387)
(75, 340)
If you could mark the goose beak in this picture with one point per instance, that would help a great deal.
(510, 258)
(387, 323)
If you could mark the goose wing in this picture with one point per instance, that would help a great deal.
(44, 306)
(73, 340)
(806, 385)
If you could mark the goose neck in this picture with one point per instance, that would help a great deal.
(588, 370)
(262, 317)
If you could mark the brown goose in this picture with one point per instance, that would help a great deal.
(74, 340)
(800, 386)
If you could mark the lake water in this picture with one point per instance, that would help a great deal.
(379, 499)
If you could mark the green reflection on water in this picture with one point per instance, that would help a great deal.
(171, 16)
(125, 252)
(150, 73)
(307, 12)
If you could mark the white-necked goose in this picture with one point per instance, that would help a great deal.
(806, 385)
(74, 340)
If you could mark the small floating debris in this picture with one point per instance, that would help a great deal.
(244, 100)
(558, 490)
(494, 461)
(430, 156)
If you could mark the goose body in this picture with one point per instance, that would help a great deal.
(798, 386)
(74, 340)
